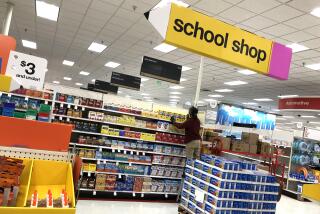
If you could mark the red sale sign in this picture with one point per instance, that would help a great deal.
(7, 43)
(303, 103)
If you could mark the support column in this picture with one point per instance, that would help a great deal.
(196, 99)
(7, 21)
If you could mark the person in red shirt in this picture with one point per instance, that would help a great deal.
(192, 133)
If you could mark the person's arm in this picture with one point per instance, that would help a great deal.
(181, 125)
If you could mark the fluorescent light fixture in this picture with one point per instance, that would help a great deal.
(209, 100)
(277, 110)
(147, 98)
(67, 78)
(263, 99)
(289, 117)
(174, 100)
(144, 94)
(29, 44)
(163, 3)
(183, 79)
(143, 79)
(68, 63)
(316, 12)
(246, 72)
(185, 68)
(315, 66)
(188, 103)
(174, 97)
(120, 92)
(84, 73)
(297, 48)
(93, 80)
(250, 104)
(237, 82)
(215, 95)
(165, 48)
(314, 122)
(175, 92)
(225, 90)
(56, 82)
(307, 116)
(47, 11)
(79, 84)
(112, 64)
(96, 47)
(176, 87)
(279, 118)
(288, 96)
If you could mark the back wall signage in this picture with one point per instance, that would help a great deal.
(204, 35)
(300, 103)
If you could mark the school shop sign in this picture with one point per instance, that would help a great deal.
(204, 35)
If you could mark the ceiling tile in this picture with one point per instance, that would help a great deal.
(298, 36)
(282, 13)
(303, 21)
(236, 14)
(213, 6)
(279, 30)
(258, 6)
(258, 22)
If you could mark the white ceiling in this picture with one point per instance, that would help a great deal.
(129, 36)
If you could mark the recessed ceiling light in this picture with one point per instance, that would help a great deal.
(148, 98)
(93, 80)
(288, 96)
(174, 100)
(143, 79)
(263, 99)
(209, 100)
(316, 12)
(277, 110)
(163, 3)
(279, 118)
(297, 48)
(112, 64)
(79, 84)
(165, 48)
(188, 103)
(183, 79)
(314, 122)
(246, 72)
(250, 104)
(47, 11)
(29, 44)
(176, 87)
(96, 47)
(174, 92)
(174, 97)
(67, 78)
(307, 116)
(84, 73)
(315, 66)
(144, 94)
(224, 90)
(185, 68)
(215, 95)
(68, 63)
(56, 82)
(237, 82)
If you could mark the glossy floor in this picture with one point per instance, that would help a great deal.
(285, 206)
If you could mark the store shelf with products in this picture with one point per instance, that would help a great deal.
(131, 192)
(303, 164)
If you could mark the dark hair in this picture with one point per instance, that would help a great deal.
(193, 111)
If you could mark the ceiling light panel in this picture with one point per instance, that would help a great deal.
(165, 48)
(215, 95)
(111, 64)
(176, 87)
(174, 97)
(79, 84)
(84, 73)
(67, 78)
(315, 66)
(175, 92)
(297, 48)
(47, 11)
(237, 82)
(68, 63)
(56, 82)
(225, 90)
(29, 44)
(96, 47)
(316, 12)
(288, 96)
(185, 68)
(263, 99)
(246, 72)
(250, 104)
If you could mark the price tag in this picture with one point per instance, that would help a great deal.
(142, 195)
(143, 153)
(28, 70)
(104, 161)
(137, 153)
(119, 150)
(61, 105)
(134, 194)
(98, 162)
(75, 107)
(94, 193)
(81, 173)
(100, 149)
(131, 152)
(115, 193)
(119, 176)
(68, 119)
(166, 195)
(69, 106)
(83, 108)
(26, 98)
(89, 174)
(130, 164)
(9, 95)
(60, 118)
(125, 152)
(0, 94)
(113, 151)
(46, 102)
(199, 195)
(117, 163)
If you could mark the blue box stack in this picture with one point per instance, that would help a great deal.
(228, 187)
(8, 109)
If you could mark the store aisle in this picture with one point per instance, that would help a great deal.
(285, 206)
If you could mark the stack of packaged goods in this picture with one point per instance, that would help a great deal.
(217, 185)
(166, 171)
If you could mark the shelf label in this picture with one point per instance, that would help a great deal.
(68, 119)
(134, 194)
(131, 152)
(83, 108)
(104, 161)
(125, 152)
(119, 150)
(46, 102)
(119, 176)
(100, 149)
(142, 195)
(137, 153)
(117, 163)
(60, 118)
(130, 164)
(26, 98)
(9, 95)
(199, 195)
(113, 151)
(143, 153)
(166, 195)
(94, 193)
(69, 106)
(89, 174)
(115, 193)
(98, 162)
(61, 105)
(76, 107)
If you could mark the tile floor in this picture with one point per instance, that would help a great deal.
(285, 206)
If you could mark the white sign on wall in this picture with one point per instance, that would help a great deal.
(28, 70)
(311, 134)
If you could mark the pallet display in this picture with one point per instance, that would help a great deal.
(217, 185)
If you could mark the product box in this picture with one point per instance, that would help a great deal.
(226, 143)
(240, 146)
(265, 148)
(251, 138)
(253, 149)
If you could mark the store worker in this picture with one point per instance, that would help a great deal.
(192, 133)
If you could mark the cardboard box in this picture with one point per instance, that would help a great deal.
(265, 148)
(251, 138)
(226, 143)
(240, 147)
(253, 149)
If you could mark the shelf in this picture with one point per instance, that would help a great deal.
(111, 123)
(164, 164)
(280, 145)
(116, 161)
(125, 150)
(112, 111)
(246, 157)
(127, 138)
(306, 182)
(132, 192)
(25, 96)
(284, 156)
(294, 192)
(128, 174)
